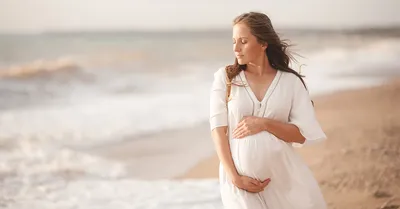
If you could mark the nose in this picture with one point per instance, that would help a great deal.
(236, 48)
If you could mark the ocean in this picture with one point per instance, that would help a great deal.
(61, 93)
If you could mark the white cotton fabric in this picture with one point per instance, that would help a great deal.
(263, 155)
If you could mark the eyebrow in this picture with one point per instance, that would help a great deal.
(242, 37)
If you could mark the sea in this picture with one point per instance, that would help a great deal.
(65, 92)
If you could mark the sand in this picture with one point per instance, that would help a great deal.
(163, 155)
(359, 165)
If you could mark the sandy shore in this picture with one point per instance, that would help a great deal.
(359, 166)
(160, 155)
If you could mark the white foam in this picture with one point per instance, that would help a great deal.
(107, 118)
(41, 175)
(39, 172)
(376, 56)
(182, 100)
(123, 193)
(26, 158)
(337, 69)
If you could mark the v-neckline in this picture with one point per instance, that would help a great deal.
(267, 92)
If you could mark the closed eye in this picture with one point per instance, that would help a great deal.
(242, 40)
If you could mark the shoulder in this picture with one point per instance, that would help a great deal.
(220, 71)
(220, 74)
(294, 83)
(291, 79)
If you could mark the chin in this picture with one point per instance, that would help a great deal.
(242, 62)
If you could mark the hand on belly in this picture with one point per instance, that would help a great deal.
(256, 155)
(248, 126)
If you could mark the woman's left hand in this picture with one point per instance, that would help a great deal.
(249, 125)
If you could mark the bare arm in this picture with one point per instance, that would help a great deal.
(223, 150)
(284, 131)
(219, 122)
(219, 125)
(224, 154)
(302, 127)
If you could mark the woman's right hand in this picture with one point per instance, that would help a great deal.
(249, 184)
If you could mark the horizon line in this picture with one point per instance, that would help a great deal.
(204, 30)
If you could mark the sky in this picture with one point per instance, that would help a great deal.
(20, 16)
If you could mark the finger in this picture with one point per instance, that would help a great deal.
(254, 190)
(240, 134)
(266, 180)
(250, 189)
(238, 131)
(247, 118)
(243, 122)
(243, 119)
(255, 182)
(244, 132)
(265, 183)
(238, 127)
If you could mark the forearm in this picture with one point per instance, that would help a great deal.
(223, 150)
(284, 131)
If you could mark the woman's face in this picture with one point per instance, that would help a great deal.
(245, 45)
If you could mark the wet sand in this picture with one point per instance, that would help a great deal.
(359, 165)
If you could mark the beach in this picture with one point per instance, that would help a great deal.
(86, 127)
(359, 165)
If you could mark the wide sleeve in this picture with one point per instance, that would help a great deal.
(218, 109)
(302, 115)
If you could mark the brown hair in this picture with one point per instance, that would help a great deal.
(278, 56)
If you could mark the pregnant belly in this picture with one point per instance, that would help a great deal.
(259, 155)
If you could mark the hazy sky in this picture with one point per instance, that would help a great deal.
(42, 15)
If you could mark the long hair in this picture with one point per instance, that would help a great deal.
(277, 51)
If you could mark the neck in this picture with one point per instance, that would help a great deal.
(260, 67)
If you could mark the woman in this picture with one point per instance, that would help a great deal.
(267, 111)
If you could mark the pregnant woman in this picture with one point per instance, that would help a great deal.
(260, 109)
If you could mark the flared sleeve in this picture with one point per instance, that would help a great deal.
(218, 108)
(302, 114)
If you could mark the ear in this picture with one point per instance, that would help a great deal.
(264, 46)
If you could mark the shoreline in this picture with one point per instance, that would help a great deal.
(160, 155)
(184, 153)
(359, 161)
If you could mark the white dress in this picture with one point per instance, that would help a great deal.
(263, 155)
